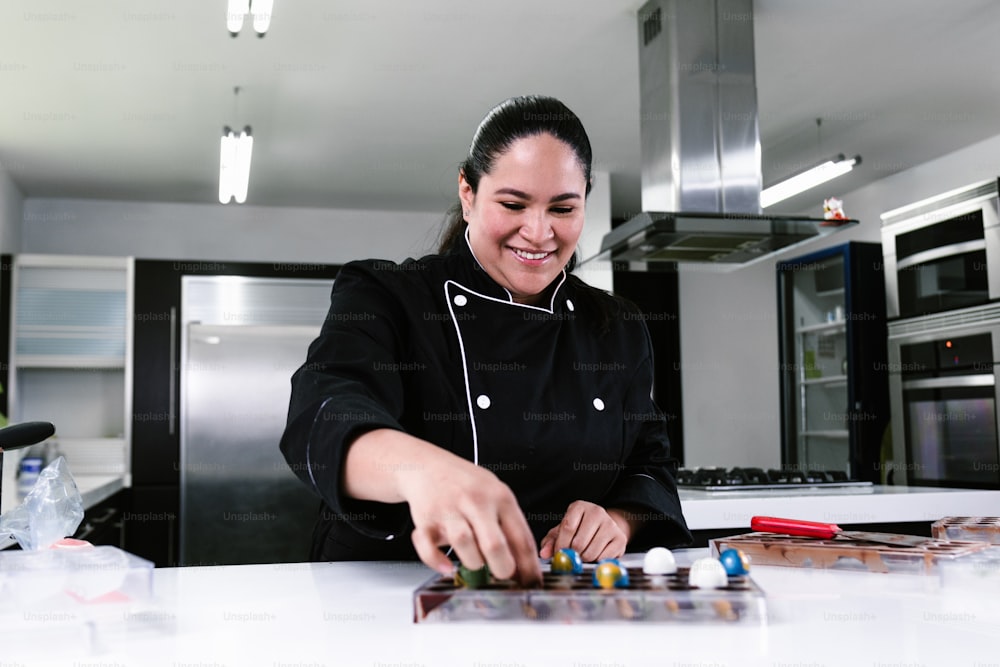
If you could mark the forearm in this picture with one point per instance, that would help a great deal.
(378, 464)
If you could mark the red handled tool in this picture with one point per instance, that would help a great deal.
(829, 531)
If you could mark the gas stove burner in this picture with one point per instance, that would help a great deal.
(758, 479)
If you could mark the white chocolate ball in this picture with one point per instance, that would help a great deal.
(659, 560)
(708, 573)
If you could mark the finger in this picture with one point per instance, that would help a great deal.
(521, 543)
(460, 536)
(615, 548)
(492, 544)
(584, 540)
(427, 549)
(600, 543)
(547, 549)
(569, 525)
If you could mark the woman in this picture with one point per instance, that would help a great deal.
(483, 398)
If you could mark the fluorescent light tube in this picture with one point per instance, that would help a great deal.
(236, 11)
(244, 150)
(227, 165)
(832, 168)
(261, 10)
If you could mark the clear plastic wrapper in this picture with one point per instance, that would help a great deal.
(62, 602)
(52, 510)
(58, 596)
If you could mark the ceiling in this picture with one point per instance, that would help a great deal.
(356, 104)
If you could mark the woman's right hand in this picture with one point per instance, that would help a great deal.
(453, 503)
(456, 503)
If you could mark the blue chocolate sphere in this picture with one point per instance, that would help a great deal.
(609, 573)
(567, 561)
(734, 561)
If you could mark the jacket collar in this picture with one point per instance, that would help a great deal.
(474, 277)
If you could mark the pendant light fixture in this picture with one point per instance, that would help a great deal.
(237, 11)
(826, 170)
(234, 162)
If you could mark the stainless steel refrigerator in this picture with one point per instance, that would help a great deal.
(242, 338)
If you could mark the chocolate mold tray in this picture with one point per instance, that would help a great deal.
(574, 599)
(784, 550)
(969, 528)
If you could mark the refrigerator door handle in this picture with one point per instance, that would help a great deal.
(982, 380)
(172, 392)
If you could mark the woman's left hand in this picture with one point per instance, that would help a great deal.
(591, 530)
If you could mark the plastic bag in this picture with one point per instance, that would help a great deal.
(52, 510)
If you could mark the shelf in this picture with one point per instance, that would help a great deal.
(828, 380)
(824, 434)
(69, 362)
(834, 327)
(93, 456)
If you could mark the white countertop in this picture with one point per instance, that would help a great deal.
(350, 614)
(850, 505)
(97, 488)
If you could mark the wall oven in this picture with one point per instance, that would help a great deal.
(943, 385)
(943, 253)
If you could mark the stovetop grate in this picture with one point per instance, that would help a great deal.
(758, 479)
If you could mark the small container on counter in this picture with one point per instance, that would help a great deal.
(27, 474)
(969, 528)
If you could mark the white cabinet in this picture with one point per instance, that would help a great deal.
(71, 355)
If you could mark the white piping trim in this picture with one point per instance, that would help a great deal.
(309, 443)
(510, 298)
(465, 371)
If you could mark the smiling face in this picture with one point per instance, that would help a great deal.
(527, 215)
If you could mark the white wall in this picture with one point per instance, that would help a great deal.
(157, 230)
(729, 327)
(10, 229)
(11, 214)
(598, 224)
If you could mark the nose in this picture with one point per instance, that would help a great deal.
(537, 228)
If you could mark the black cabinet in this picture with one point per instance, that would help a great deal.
(103, 524)
(656, 295)
(150, 523)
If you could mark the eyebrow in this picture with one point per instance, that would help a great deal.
(523, 195)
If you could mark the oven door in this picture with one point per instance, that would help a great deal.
(950, 432)
(943, 384)
(939, 260)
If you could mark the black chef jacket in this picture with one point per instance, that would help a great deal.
(558, 410)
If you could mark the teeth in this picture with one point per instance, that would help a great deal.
(530, 255)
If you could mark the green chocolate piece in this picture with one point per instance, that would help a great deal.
(472, 578)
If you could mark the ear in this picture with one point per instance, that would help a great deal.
(465, 193)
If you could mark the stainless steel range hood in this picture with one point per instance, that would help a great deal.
(701, 174)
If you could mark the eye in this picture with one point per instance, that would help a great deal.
(562, 210)
(512, 206)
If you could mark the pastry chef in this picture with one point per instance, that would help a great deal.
(484, 398)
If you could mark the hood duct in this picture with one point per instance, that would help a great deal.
(701, 173)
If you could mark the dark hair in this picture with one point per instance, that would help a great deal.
(514, 119)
